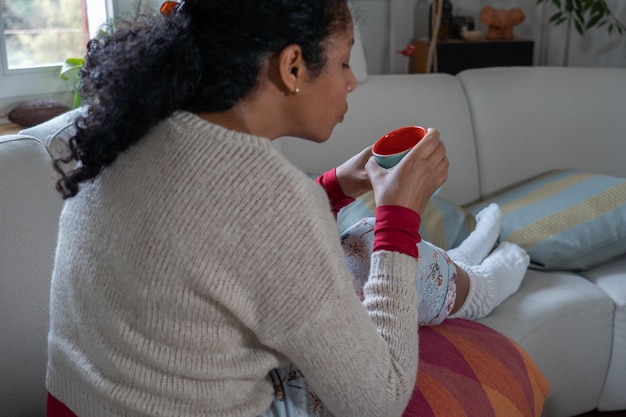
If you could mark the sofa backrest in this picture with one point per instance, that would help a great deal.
(529, 120)
(29, 213)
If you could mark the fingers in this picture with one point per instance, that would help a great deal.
(430, 146)
(367, 151)
(412, 182)
(351, 175)
(359, 160)
(363, 156)
(428, 158)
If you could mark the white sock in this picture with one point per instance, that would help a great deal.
(480, 242)
(493, 281)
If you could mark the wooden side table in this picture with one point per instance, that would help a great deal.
(456, 55)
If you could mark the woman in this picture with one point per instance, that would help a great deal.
(193, 260)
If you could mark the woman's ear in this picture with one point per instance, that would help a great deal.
(291, 68)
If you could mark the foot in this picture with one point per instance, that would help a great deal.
(494, 280)
(509, 263)
(481, 241)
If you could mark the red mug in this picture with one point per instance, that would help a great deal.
(391, 148)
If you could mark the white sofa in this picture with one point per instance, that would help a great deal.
(500, 126)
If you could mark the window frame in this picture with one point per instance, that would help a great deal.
(45, 82)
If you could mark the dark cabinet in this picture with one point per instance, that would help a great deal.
(456, 55)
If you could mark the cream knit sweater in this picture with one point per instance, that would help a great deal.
(200, 260)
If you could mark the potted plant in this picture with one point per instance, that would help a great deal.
(73, 65)
(584, 14)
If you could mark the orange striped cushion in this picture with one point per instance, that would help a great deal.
(469, 369)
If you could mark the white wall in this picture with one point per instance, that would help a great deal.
(389, 25)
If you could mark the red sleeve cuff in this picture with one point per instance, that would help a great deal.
(397, 230)
(336, 196)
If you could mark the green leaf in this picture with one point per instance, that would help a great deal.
(579, 18)
(597, 8)
(604, 6)
(593, 14)
(585, 14)
(555, 17)
(579, 27)
(593, 21)
(77, 100)
(561, 20)
(70, 65)
(586, 4)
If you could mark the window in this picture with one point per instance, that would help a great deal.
(36, 36)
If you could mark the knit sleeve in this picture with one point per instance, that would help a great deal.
(360, 357)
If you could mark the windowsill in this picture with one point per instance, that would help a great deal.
(10, 128)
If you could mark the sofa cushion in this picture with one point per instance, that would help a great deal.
(528, 120)
(55, 135)
(566, 219)
(444, 224)
(610, 277)
(469, 369)
(29, 213)
(56, 132)
(565, 323)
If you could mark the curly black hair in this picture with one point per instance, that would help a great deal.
(204, 57)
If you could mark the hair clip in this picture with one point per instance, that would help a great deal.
(169, 7)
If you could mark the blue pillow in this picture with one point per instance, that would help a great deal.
(566, 219)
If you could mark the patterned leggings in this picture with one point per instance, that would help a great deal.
(436, 289)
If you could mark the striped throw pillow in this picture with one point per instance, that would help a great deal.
(566, 219)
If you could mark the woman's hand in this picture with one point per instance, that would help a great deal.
(417, 176)
(351, 175)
